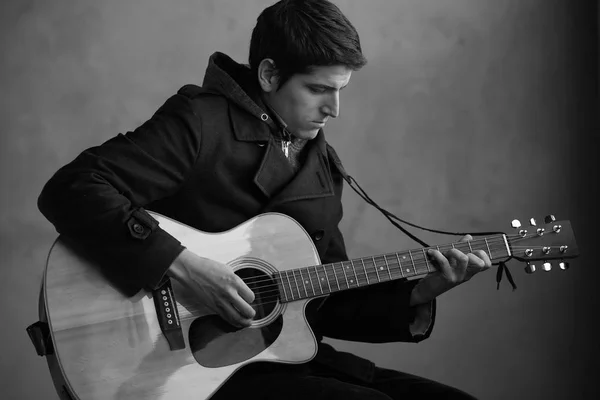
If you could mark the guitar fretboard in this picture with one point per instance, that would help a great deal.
(318, 280)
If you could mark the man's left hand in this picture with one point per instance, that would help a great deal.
(453, 268)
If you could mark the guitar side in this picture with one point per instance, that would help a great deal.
(109, 346)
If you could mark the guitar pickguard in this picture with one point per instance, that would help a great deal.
(216, 343)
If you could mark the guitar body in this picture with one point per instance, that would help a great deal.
(108, 346)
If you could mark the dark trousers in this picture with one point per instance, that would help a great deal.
(318, 382)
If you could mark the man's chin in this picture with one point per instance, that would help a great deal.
(308, 134)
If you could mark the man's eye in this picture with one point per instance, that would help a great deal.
(316, 89)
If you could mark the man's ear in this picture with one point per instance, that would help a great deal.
(267, 75)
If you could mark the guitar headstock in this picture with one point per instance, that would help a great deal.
(554, 240)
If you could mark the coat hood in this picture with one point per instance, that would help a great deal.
(234, 81)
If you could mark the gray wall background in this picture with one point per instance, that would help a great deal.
(470, 113)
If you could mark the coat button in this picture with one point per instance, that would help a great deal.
(264, 116)
(318, 235)
(138, 228)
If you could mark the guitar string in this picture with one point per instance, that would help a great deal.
(491, 243)
(273, 295)
(277, 298)
(362, 278)
(339, 272)
(327, 282)
(416, 254)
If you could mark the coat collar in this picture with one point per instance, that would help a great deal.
(251, 122)
(275, 176)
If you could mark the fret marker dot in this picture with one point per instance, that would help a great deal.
(407, 270)
(404, 257)
(351, 280)
(381, 268)
(306, 282)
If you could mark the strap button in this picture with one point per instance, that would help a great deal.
(318, 235)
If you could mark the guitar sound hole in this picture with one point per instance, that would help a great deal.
(216, 343)
(266, 291)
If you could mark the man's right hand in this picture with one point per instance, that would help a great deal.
(216, 286)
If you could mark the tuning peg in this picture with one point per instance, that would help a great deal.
(530, 268)
(547, 266)
(564, 265)
(549, 218)
(532, 221)
(516, 223)
(546, 249)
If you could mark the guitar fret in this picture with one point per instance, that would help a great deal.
(426, 261)
(375, 267)
(365, 268)
(327, 277)
(400, 265)
(318, 280)
(488, 247)
(280, 282)
(290, 284)
(335, 275)
(345, 276)
(355, 276)
(413, 262)
(297, 287)
(303, 282)
(387, 266)
(311, 282)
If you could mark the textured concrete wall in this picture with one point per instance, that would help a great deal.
(470, 113)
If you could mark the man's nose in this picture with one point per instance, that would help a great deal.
(332, 105)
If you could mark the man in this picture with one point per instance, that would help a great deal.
(249, 141)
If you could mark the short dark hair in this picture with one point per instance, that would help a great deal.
(300, 34)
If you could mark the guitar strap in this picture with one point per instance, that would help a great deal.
(394, 220)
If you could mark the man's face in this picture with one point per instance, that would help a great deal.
(307, 101)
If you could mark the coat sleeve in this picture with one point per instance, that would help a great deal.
(374, 314)
(98, 199)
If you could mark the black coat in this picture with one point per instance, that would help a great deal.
(211, 162)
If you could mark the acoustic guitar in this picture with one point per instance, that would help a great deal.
(164, 345)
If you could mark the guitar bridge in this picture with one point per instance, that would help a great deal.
(168, 317)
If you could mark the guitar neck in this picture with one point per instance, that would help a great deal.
(319, 280)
